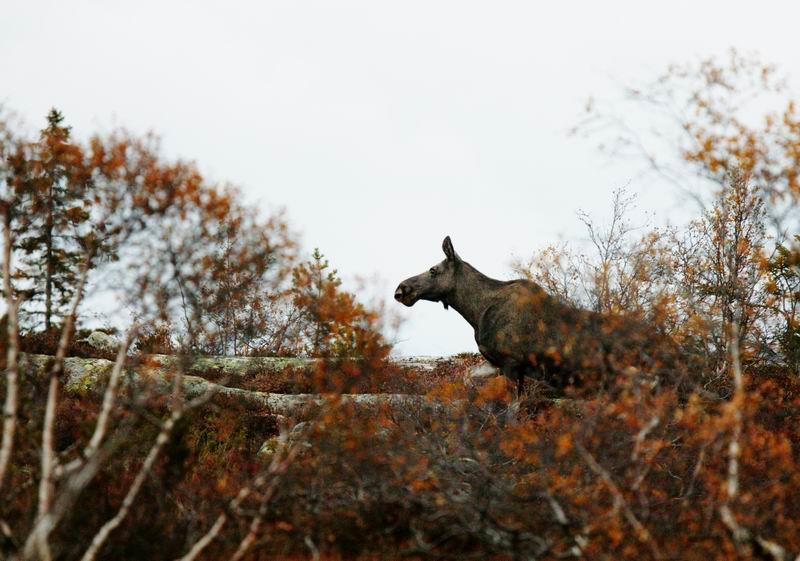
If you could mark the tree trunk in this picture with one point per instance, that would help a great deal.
(48, 287)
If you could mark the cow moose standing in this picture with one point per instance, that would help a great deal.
(524, 331)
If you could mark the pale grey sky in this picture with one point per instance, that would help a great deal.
(380, 126)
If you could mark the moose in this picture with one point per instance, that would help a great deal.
(524, 331)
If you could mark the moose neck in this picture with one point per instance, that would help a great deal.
(473, 293)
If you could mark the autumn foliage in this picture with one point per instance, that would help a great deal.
(446, 465)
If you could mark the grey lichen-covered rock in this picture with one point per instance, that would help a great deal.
(154, 375)
(235, 367)
(298, 430)
(421, 363)
(89, 375)
(480, 372)
(288, 438)
(298, 436)
(102, 341)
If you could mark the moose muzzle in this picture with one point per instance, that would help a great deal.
(404, 294)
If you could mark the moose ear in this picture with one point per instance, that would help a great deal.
(447, 247)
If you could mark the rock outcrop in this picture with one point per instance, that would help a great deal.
(155, 373)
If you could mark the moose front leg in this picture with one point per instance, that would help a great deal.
(515, 372)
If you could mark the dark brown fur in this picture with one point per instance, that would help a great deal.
(524, 331)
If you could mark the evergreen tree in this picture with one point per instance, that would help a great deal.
(314, 288)
(52, 218)
(333, 322)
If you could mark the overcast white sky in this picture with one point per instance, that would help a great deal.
(381, 127)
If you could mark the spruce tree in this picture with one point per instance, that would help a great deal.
(52, 218)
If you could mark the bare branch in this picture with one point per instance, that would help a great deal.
(12, 371)
(110, 395)
(49, 460)
(282, 460)
(744, 539)
(219, 523)
(641, 435)
(275, 470)
(162, 438)
(37, 542)
(178, 409)
(109, 399)
(619, 501)
(38, 537)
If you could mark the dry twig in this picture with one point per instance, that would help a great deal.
(37, 543)
(178, 410)
(619, 501)
(12, 371)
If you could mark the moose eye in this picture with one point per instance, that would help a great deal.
(433, 271)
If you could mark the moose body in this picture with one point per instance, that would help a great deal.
(524, 331)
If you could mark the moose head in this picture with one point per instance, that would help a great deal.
(434, 285)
